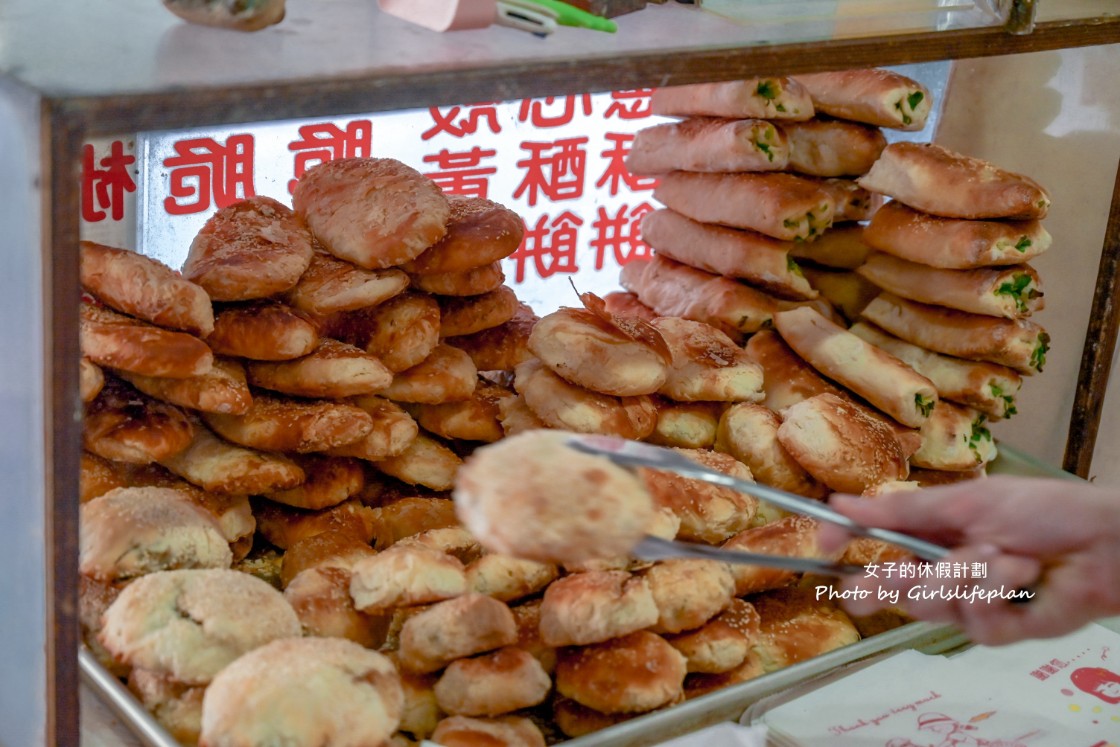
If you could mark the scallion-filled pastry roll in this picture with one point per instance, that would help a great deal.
(935, 180)
(708, 144)
(762, 98)
(954, 439)
(760, 260)
(777, 204)
(1017, 343)
(1012, 291)
(952, 243)
(832, 147)
(874, 374)
(987, 387)
(874, 96)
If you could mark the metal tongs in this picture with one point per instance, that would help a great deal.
(633, 454)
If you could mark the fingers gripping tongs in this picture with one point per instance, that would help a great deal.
(633, 454)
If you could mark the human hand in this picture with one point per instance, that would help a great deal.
(1059, 539)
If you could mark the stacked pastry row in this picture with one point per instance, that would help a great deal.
(309, 441)
(750, 170)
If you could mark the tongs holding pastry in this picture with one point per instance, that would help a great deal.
(631, 454)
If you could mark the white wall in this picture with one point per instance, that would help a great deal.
(1054, 116)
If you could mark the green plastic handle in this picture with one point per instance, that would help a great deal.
(569, 15)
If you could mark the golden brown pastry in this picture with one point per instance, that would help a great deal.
(987, 387)
(1012, 291)
(954, 438)
(789, 536)
(221, 389)
(492, 684)
(1019, 344)
(566, 406)
(751, 256)
(527, 615)
(632, 674)
(795, 626)
(706, 366)
(508, 578)
(516, 417)
(217, 465)
(671, 288)
(841, 446)
(129, 532)
(507, 731)
(853, 202)
(954, 244)
(465, 315)
(472, 282)
(286, 424)
(400, 332)
(688, 425)
(332, 548)
(591, 352)
(117, 341)
(228, 16)
(393, 431)
(708, 144)
(254, 248)
(421, 714)
(832, 147)
(425, 461)
(284, 526)
(322, 691)
(721, 644)
(625, 303)
(595, 606)
(321, 599)
(708, 513)
(145, 288)
(479, 231)
(464, 626)
(777, 204)
(529, 512)
(447, 375)
(764, 98)
(874, 96)
(405, 576)
(332, 370)
(177, 707)
(97, 476)
(749, 432)
(688, 592)
(90, 379)
(576, 720)
(500, 348)
(409, 516)
(126, 426)
(331, 285)
(702, 683)
(329, 480)
(872, 373)
(935, 180)
(847, 292)
(474, 419)
(189, 624)
(841, 247)
(374, 212)
(262, 330)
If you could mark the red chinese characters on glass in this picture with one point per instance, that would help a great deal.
(616, 176)
(553, 111)
(620, 235)
(462, 173)
(325, 141)
(553, 169)
(550, 245)
(205, 172)
(631, 104)
(459, 121)
(104, 188)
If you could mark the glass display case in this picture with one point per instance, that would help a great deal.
(73, 73)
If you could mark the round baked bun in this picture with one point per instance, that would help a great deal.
(533, 496)
(303, 692)
(506, 731)
(189, 624)
(131, 531)
(632, 674)
(374, 212)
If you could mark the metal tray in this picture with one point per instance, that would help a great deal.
(727, 704)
